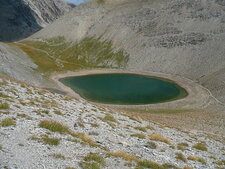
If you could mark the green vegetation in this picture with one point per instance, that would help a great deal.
(54, 126)
(100, 1)
(140, 128)
(182, 146)
(149, 164)
(93, 161)
(109, 117)
(85, 139)
(152, 145)
(8, 122)
(46, 140)
(222, 162)
(157, 137)
(195, 158)
(139, 135)
(200, 146)
(181, 157)
(58, 156)
(150, 127)
(124, 155)
(57, 54)
(3, 95)
(4, 106)
(58, 112)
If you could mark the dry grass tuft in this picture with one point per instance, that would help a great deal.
(200, 146)
(58, 156)
(181, 157)
(140, 128)
(150, 164)
(85, 138)
(182, 146)
(150, 127)
(124, 156)
(160, 138)
(54, 126)
(8, 122)
(4, 106)
(109, 117)
(139, 135)
(195, 158)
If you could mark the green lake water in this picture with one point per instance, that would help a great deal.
(124, 89)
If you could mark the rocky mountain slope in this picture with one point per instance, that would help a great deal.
(17, 64)
(41, 129)
(21, 18)
(177, 37)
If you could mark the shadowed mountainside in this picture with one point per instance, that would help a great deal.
(21, 18)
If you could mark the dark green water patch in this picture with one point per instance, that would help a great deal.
(124, 89)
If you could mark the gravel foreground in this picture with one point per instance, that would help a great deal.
(41, 129)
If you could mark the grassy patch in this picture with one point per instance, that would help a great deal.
(181, 157)
(150, 127)
(8, 122)
(92, 161)
(157, 137)
(3, 112)
(54, 126)
(195, 158)
(46, 140)
(94, 125)
(85, 139)
(139, 135)
(58, 112)
(124, 155)
(109, 117)
(222, 162)
(57, 54)
(140, 128)
(96, 158)
(4, 106)
(149, 164)
(3, 95)
(152, 145)
(200, 146)
(58, 156)
(182, 146)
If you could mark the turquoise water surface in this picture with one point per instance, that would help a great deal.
(124, 88)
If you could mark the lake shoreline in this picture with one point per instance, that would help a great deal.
(195, 91)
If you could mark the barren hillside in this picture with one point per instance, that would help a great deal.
(182, 37)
